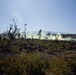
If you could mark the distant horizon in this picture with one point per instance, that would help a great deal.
(52, 32)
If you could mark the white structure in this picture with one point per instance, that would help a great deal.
(58, 36)
(44, 36)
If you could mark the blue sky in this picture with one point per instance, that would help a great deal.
(48, 15)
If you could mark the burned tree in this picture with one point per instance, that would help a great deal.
(39, 33)
(24, 33)
(13, 31)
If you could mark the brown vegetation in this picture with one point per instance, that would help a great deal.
(37, 57)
